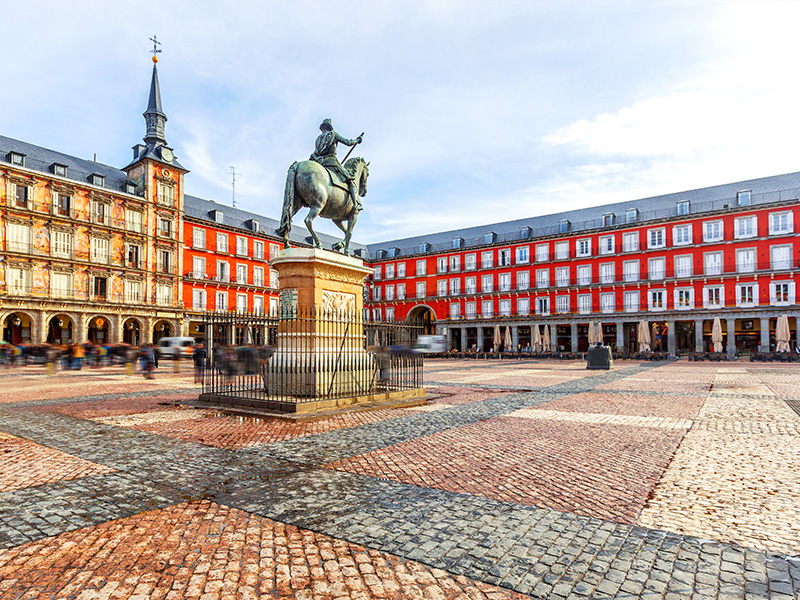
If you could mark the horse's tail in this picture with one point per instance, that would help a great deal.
(288, 204)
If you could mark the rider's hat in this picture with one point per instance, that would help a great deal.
(326, 125)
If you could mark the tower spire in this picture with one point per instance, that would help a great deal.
(154, 116)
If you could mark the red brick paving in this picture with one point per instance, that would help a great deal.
(685, 407)
(601, 471)
(204, 550)
(25, 464)
(117, 406)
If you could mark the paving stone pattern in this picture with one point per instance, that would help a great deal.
(353, 511)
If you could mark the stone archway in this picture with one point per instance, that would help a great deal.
(18, 328)
(162, 329)
(132, 332)
(424, 317)
(60, 329)
(98, 330)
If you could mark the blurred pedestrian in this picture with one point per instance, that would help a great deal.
(149, 361)
(199, 356)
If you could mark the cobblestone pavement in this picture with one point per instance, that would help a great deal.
(663, 480)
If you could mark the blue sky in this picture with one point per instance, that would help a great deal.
(474, 112)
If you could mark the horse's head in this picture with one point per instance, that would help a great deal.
(360, 170)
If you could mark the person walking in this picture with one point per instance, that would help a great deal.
(199, 356)
(149, 361)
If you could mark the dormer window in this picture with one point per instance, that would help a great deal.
(458, 242)
(744, 198)
(394, 252)
(60, 170)
(380, 254)
(631, 215)
(489, 238)
(217, 216)
(608, 219)
(15, 158)
(254, 225)
(130, 188)
(525, 233)
(683, 208)
(424, 247)
(97, 180)
(563, 226)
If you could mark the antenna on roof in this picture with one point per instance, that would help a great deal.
(233, 185)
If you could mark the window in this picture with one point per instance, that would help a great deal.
(563, 226)
(504, 282)
(523, 280)
(631, 215)
(505, 308)
(655, 269)
(562, 276)
(607, 303)
(390, 292)
(133, 220)
(488, 238)
(198, 299)
(780, 223)
(684, 299)
(441, 287)
(487, 260)
(165, 227)
(401, 270)
(198, 268)
(658, 299)
(781, 257)
(258, 305)
(241, 246)
(630, 270)
(487, 283)
(683, 266)
(683, 208)
(198, 237)
(376, 314)
(241, 303)
(712, 263)
(656, 238)
(542, 305)
(61, 244)
(746, 294)
(631, 301)
(223, 272)
(222, 243)
(221, 301)
(441, 264)
(607, 273)
(523, 306)
(523, 255)
(781, 293)
(273, 279)
(543, 278)
(469, 262)
(562, 250)
(607, 244)
(584, 303)
(455, 264)
(630, 242)
(583, 247)
(681, 235)
(584, 275)
(376, 293)
(455, 311)
(421, 268)
(542, 252)
(390, 313)
(100, 212)
(165, 194)
(274, 249)
(165, 261)
(258, 250)
(376, 272)
(61, 285)
(133, 254)
(19, 281)
(274, 303)
(745, 260)
(133, 291)
(241, 274)
(421, 289)
(562, 304)
(100, 250)
(470, 310)
(487, 308)
(62, 205)
(457, 242)
(713, 296)
(15, 158)
(99, 288)
(608, 220)
(712, 231)
(744, 198)
(18, 237)
(389, 271)
(21, 195)
(504, 258)
(469, 285)
(401, 291)
(745, 227)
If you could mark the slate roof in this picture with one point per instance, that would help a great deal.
(765, 190)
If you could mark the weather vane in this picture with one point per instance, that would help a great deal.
(155, 49)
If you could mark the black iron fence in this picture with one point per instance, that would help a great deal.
(307, 355)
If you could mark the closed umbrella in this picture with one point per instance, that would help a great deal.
(599, 337)
(496, 338)
(782, 334)
(537, 339)
(507, 343)
(643, 336)
(546, 339)
(592, 333)
(716, 335)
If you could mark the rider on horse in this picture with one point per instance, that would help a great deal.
(325, 154)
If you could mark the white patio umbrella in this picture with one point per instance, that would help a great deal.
(507, 343)
(546, 339)
(496, 338)
(599, 336)
(537, 339)
(782, 334)
(716, 334)
(592, 333)
(643, 336)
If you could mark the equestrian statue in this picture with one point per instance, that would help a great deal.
(328, 188)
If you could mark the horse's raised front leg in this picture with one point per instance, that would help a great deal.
(295, 210)
(313, 213)
(337, 247)
(351, 222)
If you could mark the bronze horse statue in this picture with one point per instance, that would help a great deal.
(309, 184)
